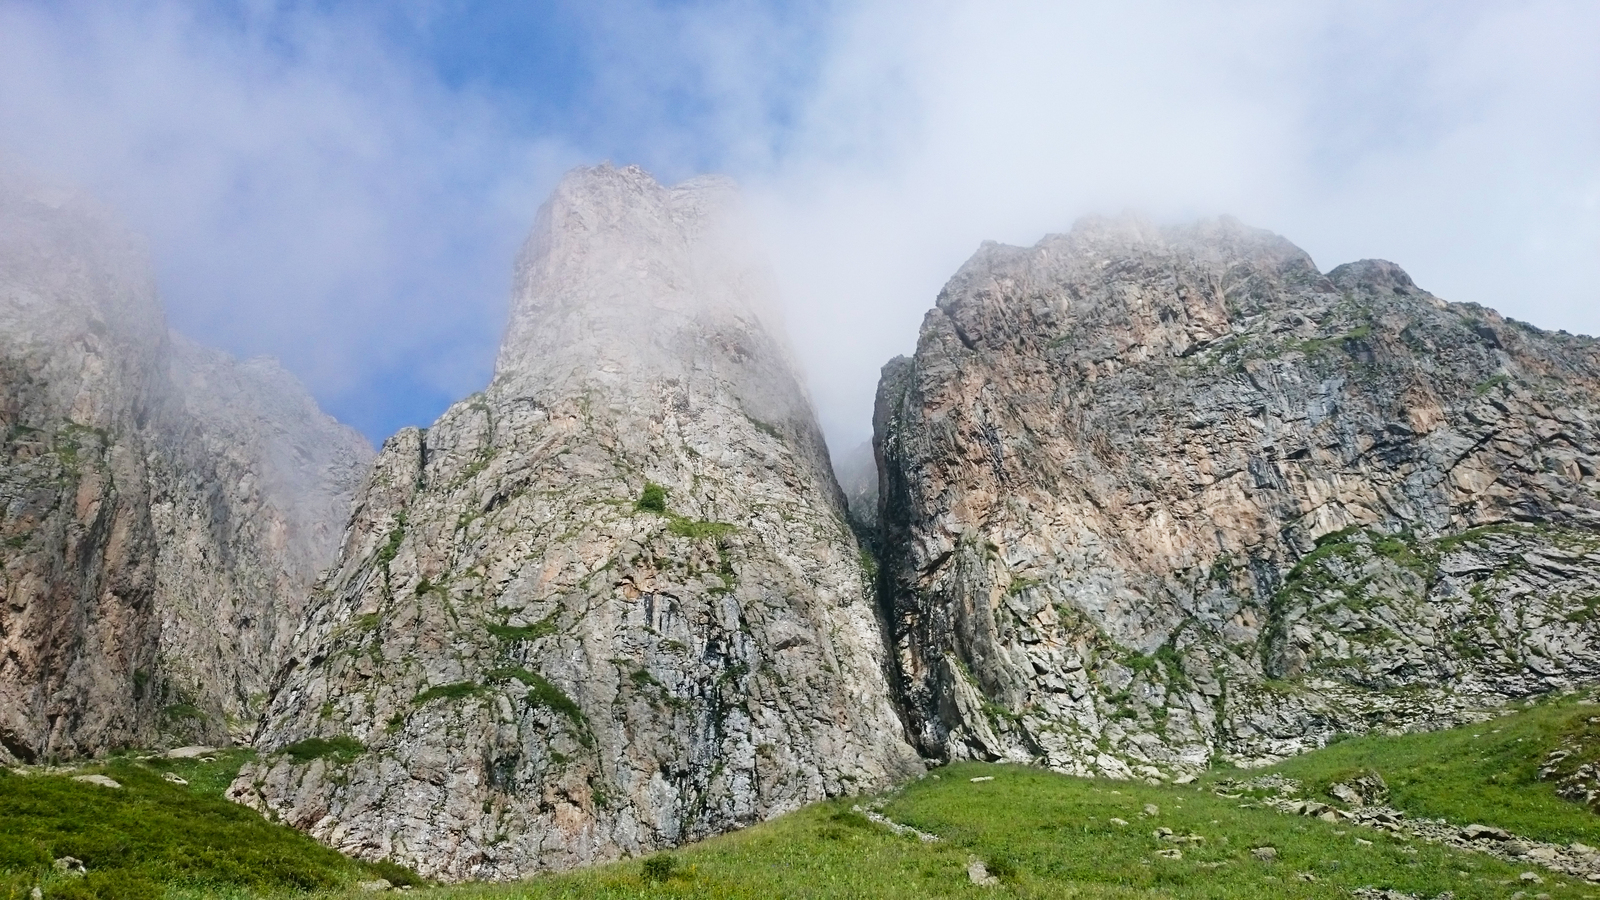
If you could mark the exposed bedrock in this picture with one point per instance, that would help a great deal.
(164, 509)
(1155, 495)
(610, 604)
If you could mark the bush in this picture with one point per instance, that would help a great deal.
(341, 748)
(654, 498)
(660, 867)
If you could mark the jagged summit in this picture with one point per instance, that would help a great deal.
(608, 605)
(1155, 495)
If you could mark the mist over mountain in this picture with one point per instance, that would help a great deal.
(1143, 500)
(165, 507)
(611, 603)
(341, 186)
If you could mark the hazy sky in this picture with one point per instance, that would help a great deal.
(343, 185)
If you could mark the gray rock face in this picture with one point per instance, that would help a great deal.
(163, 509)
(608, 605)
(1152, 495)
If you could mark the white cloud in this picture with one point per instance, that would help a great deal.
(315, 189)
(1461, 141)
(310, 191)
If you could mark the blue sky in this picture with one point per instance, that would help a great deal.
(343, 185)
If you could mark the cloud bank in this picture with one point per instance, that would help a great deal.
(344, 189)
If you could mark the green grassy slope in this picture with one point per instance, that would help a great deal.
(1486, 773)
(1045, 835)
(152, 837)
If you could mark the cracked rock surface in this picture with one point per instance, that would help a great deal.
(164, 508)
(610, 604)
(1151, 496)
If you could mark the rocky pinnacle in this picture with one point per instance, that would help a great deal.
(610, 604)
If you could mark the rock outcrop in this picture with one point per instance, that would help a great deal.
(1153, 496)
(608, 605)
(163, 509)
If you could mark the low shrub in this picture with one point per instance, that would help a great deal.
(342, 748)
(653, 499)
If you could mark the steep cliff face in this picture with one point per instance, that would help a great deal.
(163, 510)
(610, 604)
(251, 489)
(1154, 495)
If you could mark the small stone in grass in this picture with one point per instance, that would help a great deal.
(978, 874)
(71, 866)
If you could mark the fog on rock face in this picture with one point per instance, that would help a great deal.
(164, 509)
(610, 604)
(1142, 499)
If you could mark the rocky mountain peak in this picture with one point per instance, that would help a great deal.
(1160, 494)
(623, 280)
(163, 508)
(610, 604)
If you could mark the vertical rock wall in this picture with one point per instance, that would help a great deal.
(1152, 495)
(608, 605)
(163, 509)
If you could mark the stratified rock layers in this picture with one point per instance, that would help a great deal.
(163, 509)
(608, 605)
(1154, 495)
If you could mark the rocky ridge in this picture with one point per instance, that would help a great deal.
(608, 605)
(163, 508)
(1156, 496)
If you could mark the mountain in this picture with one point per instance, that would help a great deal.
(610, 604)
(1144, 499)
(164, 509)
(1156, 496)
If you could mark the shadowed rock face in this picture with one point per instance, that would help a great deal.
(543, 670)
(1153, 495)
(163, 508)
